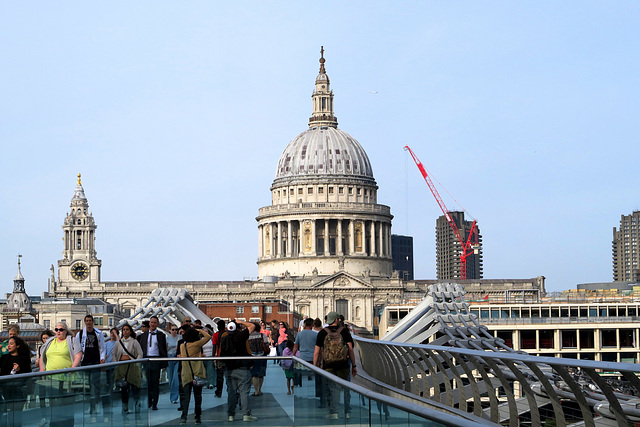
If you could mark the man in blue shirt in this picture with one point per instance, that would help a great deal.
(306, 343)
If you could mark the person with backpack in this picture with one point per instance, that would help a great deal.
(334, 348)
(235, 343)
(91, 342)
(287, 365)
(259, 346)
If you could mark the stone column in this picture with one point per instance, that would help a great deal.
(372, 245)
(380, 239)
(339, 247)
(352, 242)
(326, 237)
(271, 240)
(314, 237)
(260, 238)
(289, 240)
(279, 239)
(388, 236)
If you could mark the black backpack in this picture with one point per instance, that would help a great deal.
(227, 347)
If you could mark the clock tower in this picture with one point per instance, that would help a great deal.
(79, 268)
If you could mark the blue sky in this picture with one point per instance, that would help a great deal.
(176, 114)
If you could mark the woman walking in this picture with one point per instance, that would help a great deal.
(192, 371)
(16, 361)
(61, 352)
(259, 346)
(128, 376)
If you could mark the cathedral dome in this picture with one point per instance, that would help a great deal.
(321, 151)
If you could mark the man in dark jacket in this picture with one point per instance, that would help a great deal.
(235, 342)
(154, 344)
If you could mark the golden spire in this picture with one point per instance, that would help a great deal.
(79, 180)
(322, 71)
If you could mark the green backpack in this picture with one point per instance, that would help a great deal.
(334, 350)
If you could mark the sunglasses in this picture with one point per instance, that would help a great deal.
(187, 321)
(59, 329)
(173, 330)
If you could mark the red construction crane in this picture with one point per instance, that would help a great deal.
(471, 245)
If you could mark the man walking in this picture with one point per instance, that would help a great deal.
(215, 340)
(306, 343)
(234, 343)
(154, 344)
(334, 346)
(91, 341)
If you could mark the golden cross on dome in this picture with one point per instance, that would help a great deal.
(79, 180)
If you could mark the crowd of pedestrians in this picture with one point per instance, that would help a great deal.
(328, 345)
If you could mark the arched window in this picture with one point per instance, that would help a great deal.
(358, 312)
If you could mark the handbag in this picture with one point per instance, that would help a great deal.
(122, 382)
(197, 381)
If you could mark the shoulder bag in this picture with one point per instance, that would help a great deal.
(197, 381)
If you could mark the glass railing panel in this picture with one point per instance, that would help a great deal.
(89, 395)
(96, 396)
(321, 400)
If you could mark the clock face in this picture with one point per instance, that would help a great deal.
(79, 271)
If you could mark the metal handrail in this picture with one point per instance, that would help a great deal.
(412, 408)
(446, 375)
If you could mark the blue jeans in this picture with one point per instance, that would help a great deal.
(238, 383)
(174, 381)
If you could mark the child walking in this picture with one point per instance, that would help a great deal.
(287, 365)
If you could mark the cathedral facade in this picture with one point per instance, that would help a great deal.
(324, 243)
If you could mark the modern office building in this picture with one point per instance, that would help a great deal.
(626, 248)
(599, 325)
(402, 253)
(448, 249)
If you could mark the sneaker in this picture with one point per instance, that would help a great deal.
(198, 421)
(332, 417)
(248, 418)
(347, 415)
(183, 421)
(230, 418)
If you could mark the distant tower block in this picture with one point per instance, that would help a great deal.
(626, 249)
(448, 249)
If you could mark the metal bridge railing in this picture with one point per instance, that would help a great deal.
(507, 388)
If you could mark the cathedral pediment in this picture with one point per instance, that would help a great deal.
(341, 280)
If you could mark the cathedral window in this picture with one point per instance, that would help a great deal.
(299, 190)
(358, 191)
(320, 190)
(350, 190)
(330, 190)
(340, 190)
(310, 190)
